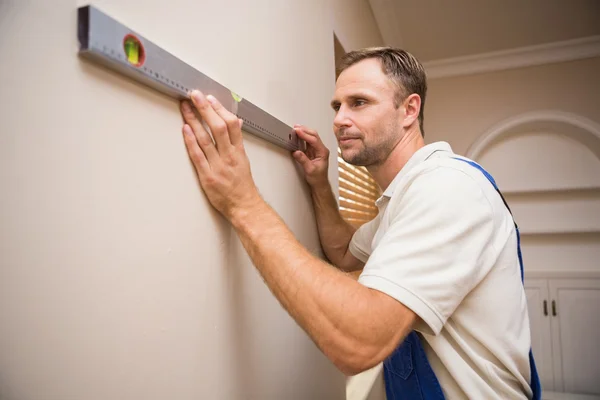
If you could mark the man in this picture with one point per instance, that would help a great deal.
(439, 259)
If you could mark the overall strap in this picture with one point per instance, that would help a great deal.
(408, 374)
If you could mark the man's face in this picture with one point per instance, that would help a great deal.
(367, 124)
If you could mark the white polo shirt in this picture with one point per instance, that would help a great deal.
(445, 246)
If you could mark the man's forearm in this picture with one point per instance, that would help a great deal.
(335, 233)
(338, 313)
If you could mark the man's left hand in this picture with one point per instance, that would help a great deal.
(223, 168)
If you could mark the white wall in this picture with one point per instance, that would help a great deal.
(463, 108)
(355, 25)
(117, 279)
(537, 130)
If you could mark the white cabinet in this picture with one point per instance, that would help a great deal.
(576, 334)
(565, 332)
(536, 291)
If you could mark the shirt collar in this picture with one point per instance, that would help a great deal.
(418, 157)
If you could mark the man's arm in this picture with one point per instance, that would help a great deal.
(334, 233)
(356, 327)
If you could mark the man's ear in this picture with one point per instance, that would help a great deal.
(412, 108)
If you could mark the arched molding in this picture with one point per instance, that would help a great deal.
(581, 129)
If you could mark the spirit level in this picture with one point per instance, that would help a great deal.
(106, 41)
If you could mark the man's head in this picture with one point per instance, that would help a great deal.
(379, 96)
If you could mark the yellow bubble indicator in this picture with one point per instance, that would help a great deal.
(236, 97)
(134, 50)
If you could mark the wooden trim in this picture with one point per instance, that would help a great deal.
(350, 213)
(360, 198)
(346, 184)
(357, 194)
(355, 171)
(358, 206)
(357, 180)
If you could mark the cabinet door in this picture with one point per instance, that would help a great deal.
(538, 305)
(575, 334)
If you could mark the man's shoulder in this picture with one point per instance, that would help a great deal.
(447, 175)
(449, 183)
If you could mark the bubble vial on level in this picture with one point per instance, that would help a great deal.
(134, 50)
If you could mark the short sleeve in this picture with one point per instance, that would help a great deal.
(360, 244)
(435, 249)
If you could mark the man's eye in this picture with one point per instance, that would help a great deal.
(336, 108)
(358, 103)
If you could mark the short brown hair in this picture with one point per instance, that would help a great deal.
(400, 66)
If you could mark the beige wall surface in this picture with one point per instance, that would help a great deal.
(355, 25)
(117, 278)
(549, 167)
(462, 108)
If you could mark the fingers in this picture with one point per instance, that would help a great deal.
(218, 126)
(312, 138)
(202, 137)
(307, 137)
(307, 130)
(234, 124)
(194, 151)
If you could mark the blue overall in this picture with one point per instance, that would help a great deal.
(407, 373)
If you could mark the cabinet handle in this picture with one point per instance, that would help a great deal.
(553, 308)
(545, 308)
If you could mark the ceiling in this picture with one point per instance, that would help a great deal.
(440, 29)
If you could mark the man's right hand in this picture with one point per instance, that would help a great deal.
(335, 234)
(315, 160)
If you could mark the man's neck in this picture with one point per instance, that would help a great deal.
(409, 144)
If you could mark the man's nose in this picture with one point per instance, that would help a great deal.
(341, 119)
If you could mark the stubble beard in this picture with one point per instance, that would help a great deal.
(374, 155)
